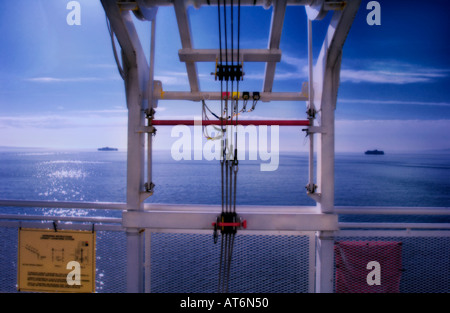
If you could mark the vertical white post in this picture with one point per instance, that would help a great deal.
(324, 262)
(135, 178)
(152, 104)
(326, 150)
(326, 84)
(324, 97)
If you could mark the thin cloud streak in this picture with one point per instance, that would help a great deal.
(68, 80)
(366, 101)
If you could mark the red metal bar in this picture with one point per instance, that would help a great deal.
(224, 224)
(240, 122)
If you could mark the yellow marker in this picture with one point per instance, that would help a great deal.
(215, 72)
(236, 95)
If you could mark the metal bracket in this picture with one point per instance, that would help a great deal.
(315, 130)
(149, 187)
(315, 196)
(311, 188)
(150, 113)
(146, 129)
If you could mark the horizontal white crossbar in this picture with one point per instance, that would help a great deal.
(199, 96)
(245, 55)
(202, 217)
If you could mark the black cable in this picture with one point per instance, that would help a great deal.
(235, 161)
(228, 167)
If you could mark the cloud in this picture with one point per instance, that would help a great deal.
(366, 101)
(391, 72)
(74, 119)
(377, 72)
(385, 77)
(69, 80)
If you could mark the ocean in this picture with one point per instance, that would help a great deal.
(416, 180)
(360, 180)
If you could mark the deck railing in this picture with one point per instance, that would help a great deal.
(274, 256)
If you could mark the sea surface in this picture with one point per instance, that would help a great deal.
(417, 180)
(261, 263)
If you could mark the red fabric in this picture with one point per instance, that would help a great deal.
(352, 258)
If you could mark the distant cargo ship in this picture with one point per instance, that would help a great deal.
(107, 149)
(374, 152)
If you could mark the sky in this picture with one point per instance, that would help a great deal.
(60, 87)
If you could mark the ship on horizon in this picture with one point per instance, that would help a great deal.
(107, 149)
(374, 152)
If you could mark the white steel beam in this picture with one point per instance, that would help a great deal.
(123, 27)
(198, 3)
(325, 85)
(276, 27)
(246, 55)
(136, 71)
(199, 96)
(184, 29)
(201, 218)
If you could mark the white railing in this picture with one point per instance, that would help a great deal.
(269, 220)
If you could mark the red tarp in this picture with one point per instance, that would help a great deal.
(352, 273)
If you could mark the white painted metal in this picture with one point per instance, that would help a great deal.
(199, 96)
(394, 225)
(246, 55)
(275, 221)
(152, 104)
(276, 27)
(325, 85)
(365, 210)
(311, 111)
(42, 224)
(408, 232)
(323, 90)
(198, 3)
(324, 262)
(184, 28)
(316, 10)
(136, 71)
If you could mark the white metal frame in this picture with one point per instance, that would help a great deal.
(143, 94)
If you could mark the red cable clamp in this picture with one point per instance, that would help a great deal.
(227, 222)
(236, 224)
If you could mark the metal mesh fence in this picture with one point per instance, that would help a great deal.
(425, 263)
(187, 262)
(8, 259)
(261, 263)
(111, 261)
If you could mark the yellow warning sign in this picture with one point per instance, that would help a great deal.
(56, 261)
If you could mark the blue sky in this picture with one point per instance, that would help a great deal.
(60, 87)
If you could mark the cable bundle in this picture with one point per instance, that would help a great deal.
(229, 161)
